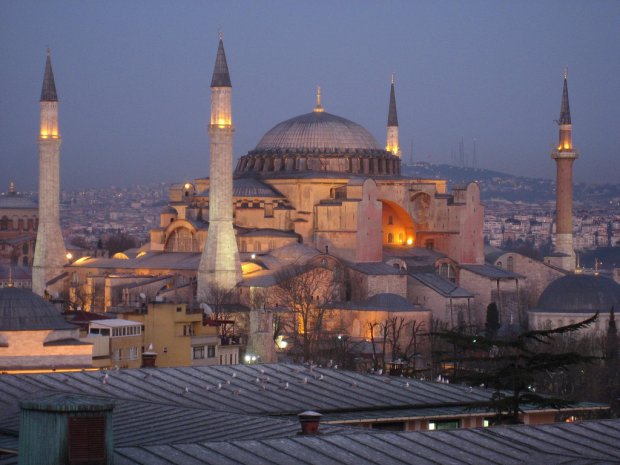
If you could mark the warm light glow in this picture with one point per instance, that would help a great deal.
(410, 241)
(566, 146)
(141, 254)
(187, 185)
(81, 260)
(223, 122)
(392, 148)
(69, 255)
(120, 255)
(281, 343)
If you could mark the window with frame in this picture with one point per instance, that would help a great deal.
(198, 352)
(211, 351)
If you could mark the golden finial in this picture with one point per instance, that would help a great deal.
(221, 34)
(565, 72)
(318, 108)
(11, 187)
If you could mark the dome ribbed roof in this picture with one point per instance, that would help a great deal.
(23, 310)
(318, 130)
(578, 293)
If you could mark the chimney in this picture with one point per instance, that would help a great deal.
(309, 421)
(66, 429)
(149, 357)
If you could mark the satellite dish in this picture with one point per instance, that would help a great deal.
(206, 308)
(142, 295)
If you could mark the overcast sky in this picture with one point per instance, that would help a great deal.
(133, 80)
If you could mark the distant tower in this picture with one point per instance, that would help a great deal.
(50, 252)
(219, 264)
(564, 157)
(392, 124)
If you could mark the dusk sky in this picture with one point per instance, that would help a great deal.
(133, 80)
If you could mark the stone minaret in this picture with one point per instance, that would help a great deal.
(49, 253)
(564, 157)
(219, 264)
(392, 124)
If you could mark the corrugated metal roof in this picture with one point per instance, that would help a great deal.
(441, 285)
(576, 443)
(274, 389)
(143, 423)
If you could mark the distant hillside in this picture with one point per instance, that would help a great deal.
(496, 185)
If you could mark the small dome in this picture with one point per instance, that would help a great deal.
(13, 200)
(580, 293)
(318, 131)
(168, 210)
(23, 310)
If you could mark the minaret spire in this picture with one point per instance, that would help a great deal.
(392, 144)
(220, 268)
(221, 76)
(318, 108)
(48, 90)
(564, 157)
(49, 252)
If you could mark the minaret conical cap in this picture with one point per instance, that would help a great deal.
(392, 116)
(48, 91)
(221, 77)
(565, 109)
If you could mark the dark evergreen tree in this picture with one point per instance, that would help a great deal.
(510, 367)
(612, 363)
(492, 323)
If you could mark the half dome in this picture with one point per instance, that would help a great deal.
(579, 293)
(318, 131)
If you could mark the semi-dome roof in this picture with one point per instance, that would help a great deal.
(579, 293)
(318, 131)
(23, 310)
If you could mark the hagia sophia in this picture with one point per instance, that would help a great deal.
(319, 190)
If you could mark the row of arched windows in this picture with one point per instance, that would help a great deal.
(18, 224)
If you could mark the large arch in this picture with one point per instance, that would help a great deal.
(397, 226)
(181, 237)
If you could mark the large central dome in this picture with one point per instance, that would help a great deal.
(318, 142)
(318, 131)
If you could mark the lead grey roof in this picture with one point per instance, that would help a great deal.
(22, 310)
(392, 115)
(493, 272)
(576, 443)
(374, 268)
(48, 90)
(579, 293)
(384, 301)
(320, 389)
(565, 107)
(441, 285)
(13, 200)
(142, 423)
(221, 76)
(251, 188)
(152, 260)
(317, 131)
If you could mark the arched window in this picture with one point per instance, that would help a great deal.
(511, 263)
(243, 246)
(181, 240)
(356, 329)
(4, 223)
(25, 249)
(390, 219)
(390, 238)
(499, 265)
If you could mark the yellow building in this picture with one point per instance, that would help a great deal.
(180, 336)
